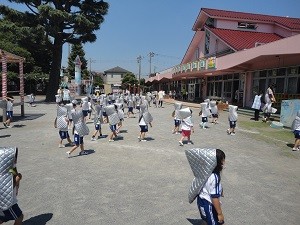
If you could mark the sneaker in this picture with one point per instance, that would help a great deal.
(68, 154)
(144, 140)
(190, 143)
(233, 133)
(111, 140)
(177, 133)
(93, 139)
(61, 146)
(83, 153)
(296, 149)
(180, 143)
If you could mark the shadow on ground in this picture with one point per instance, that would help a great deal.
(196, 221)
(17, 118)
(39, 220)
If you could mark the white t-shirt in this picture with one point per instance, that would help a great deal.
(187, 123)
(212, 188)
(9, 106)
(142, 122)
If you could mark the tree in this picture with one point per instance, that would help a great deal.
(63, 21)
(129, 78)
(77, 49)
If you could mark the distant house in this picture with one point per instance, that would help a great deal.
(113, 77)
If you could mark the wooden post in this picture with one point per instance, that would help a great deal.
(4, 82)
(21, 86)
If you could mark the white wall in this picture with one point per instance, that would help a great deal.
(116, 79)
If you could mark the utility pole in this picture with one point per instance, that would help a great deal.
(151, 54)
(139, 60)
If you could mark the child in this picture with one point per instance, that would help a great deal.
(177, 120)
(31, 100)
(296, 130)
(208, 200)
(186, 128)
(62, 123)
(204, 113)
(214, 111)
(13, 212)
(97, 122)
(80, 129)
(113, 119)
(232, 117)
(9, 111)
(256, 105)
(130, 108)
(144, 120)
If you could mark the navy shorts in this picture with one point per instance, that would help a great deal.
(137, 107)
(97, 127)
(113, 127)
(12, 213)
(144, 128)
(204, 119)
(232, 124)
(104, 114)
(215, 115)
(177, 123)
(130, 109)
(78, 140)
(297, 134)
(85, 112)
(9, 114)
(63, 134)
(207, 211)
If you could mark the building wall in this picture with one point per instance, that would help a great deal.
(261, 27)
(113, 78)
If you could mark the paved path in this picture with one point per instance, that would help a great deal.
(131, 182)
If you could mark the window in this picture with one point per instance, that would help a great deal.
(210, 22)
(207, 41)
(111, 76)
(245, 25)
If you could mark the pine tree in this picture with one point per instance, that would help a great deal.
(63, 21)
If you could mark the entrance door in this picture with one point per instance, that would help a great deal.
(191, 92)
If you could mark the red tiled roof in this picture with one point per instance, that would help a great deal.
(291, 23)
(240, 40)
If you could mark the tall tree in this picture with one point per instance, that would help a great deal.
(77, 50)
(72, 21)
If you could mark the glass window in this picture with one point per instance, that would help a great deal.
(262, 85)
(227, 86)
(255, 74)
(236, 76)
(280, 85)
(263, 73)
(292, 85)
(281, 72)
(292, 71)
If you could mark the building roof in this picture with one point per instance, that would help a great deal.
(291, 23)
(117, 69)
(240, 40)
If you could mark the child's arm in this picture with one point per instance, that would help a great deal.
(200, 112)
(216, 203)
(55, 122)
(150, 124)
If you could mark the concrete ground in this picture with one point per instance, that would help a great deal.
(131, 182)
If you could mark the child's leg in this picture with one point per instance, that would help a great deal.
(73, 149)
(19, 220)
(143, 135)
(297, 143)
(69, 140)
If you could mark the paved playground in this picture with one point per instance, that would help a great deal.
(136, 183)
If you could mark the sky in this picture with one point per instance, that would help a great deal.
(135, 28)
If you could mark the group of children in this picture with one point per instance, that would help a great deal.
(183, 118)
(106, 110)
